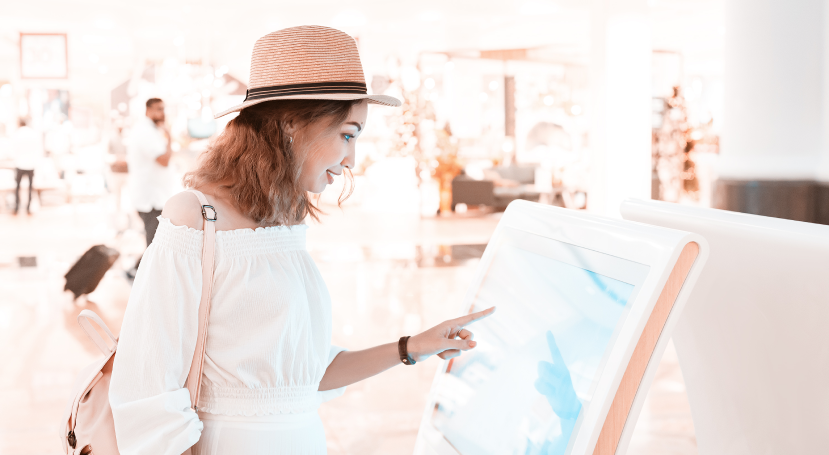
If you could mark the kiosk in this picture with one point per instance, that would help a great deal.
(586, 306)
(753, 341)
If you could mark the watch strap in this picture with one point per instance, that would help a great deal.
(403, 351)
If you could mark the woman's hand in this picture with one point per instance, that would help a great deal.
(352, 366)
(442, 338)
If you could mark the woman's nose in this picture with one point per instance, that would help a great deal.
(349, 160)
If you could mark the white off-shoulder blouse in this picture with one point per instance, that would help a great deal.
(268, 340)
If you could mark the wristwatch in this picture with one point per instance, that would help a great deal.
(404, 353)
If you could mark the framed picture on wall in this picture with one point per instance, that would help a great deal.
(43, 56)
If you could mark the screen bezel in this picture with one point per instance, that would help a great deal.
(614, 267)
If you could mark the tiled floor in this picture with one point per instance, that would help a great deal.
(388, 275)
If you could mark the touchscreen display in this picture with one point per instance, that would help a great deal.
(539, 357)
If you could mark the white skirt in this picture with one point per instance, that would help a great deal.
(281, 434)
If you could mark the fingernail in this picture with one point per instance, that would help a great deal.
(472, 344)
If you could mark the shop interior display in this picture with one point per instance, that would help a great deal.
(684, 135)
(43, 56)
(495, 125)
(474, 123)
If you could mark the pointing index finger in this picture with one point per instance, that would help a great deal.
(470, 318)
(554, 351)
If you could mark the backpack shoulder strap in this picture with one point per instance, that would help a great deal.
(208, 252)
(83, 319)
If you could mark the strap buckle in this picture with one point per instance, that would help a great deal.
(204, 213)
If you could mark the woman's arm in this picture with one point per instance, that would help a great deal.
(150, 405)
(354, 366)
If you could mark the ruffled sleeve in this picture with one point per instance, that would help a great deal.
(329, 395)
(150, 406)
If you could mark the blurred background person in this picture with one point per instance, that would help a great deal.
(150, 177)
(28, 148)
(117, 177)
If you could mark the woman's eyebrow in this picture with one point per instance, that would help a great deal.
(359, 128)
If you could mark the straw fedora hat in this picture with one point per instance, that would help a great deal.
(309, 62)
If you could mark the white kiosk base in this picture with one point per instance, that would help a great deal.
(753, 342)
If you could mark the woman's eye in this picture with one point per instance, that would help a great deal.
(347, 137)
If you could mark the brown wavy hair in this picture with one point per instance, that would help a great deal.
(255, 159)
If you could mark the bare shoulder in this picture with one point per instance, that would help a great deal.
(183, 209)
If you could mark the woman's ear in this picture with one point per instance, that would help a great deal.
(290, 128)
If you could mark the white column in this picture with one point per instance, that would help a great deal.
(620, 69)
(822, 173)
(774, 82)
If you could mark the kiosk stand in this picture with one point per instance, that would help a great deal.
(586, 306)
(753, 343)
(642, 356)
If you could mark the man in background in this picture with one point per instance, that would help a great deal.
(150, 177)
(28, 148)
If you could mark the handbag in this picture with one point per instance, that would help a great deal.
(119, 166)
(88, 419)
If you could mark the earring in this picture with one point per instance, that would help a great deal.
(290, 140)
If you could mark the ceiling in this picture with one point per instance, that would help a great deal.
(108, 39)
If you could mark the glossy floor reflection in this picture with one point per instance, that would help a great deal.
(388, 276)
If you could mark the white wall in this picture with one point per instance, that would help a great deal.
(775, 89)
(620, 83)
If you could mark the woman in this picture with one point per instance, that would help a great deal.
(269, 361)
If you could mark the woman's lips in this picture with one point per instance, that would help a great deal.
(330, 177)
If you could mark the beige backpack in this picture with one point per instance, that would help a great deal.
(88, 423)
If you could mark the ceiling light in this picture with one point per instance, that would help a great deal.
(104, 24)
(410, 77)
(349, 19)
(538, 8)
(508, 146)
(430, 16)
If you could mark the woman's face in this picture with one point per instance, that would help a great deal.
(328, 150)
